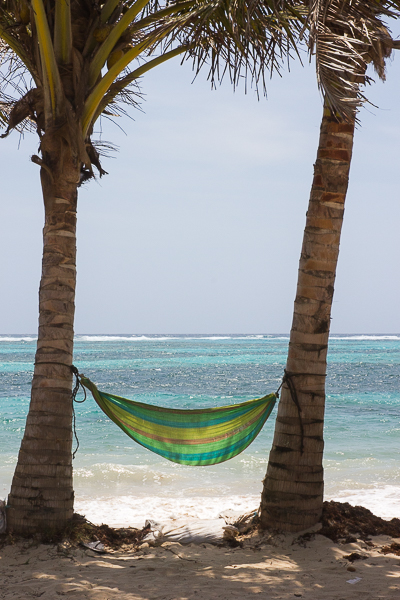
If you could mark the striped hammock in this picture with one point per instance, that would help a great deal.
(189, 437)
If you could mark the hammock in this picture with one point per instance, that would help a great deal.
(189, 437)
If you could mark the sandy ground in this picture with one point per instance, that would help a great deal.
(284, 566)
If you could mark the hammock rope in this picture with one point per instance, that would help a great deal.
(195, 437)
(75, 391)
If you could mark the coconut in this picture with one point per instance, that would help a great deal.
(101, 33)
(114, 58)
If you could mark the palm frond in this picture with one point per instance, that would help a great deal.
(121, 90)
(51, 77)
(245, 37)
(112, 38)
(85, 57)
(346, 36)
(62, 32)
(10, 42)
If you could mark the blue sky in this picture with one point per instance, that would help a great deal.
(198, 226)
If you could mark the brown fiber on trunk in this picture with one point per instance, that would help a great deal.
(42, 496)
(293, 487)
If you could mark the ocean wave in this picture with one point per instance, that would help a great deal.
(365, 337)
(383, 501)
(123, 511)
(164, 338)
(272, 337)
(167, 338)
(18, 339)
(151, 338)
(119, 338)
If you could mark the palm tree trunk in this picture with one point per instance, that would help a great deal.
(292, 496)
(41, 496)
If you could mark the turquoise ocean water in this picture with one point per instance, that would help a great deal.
(118, 482)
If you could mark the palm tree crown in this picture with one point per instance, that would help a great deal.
(74, 57)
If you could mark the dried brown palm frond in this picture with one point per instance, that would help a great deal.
(346, 36)
(125, 92)
(244, 37)
(3, 117)
(104, 148)
(15, 82)
(14, 76)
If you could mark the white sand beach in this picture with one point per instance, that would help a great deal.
(271, 566)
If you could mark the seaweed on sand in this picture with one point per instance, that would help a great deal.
(80, 531)
(341, 521)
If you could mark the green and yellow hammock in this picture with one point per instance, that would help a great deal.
(189, 437)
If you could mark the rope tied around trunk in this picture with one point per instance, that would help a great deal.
(288, 379)
(75, 391)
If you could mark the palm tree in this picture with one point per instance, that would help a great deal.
(64, 63)
(347, 36)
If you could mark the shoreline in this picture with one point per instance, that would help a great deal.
(166, 508)
(134, 509)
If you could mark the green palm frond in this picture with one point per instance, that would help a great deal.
(112, 39)
(51, 76)
(65, 45)
(63, 32)
(120, 89)
(82, 58)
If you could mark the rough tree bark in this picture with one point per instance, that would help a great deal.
(42, 495)
(292, 496)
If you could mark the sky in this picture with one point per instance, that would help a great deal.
(198, 226)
